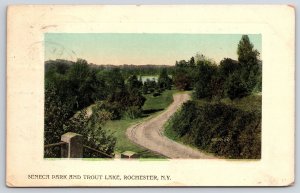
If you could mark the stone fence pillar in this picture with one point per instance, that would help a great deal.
(74, 146)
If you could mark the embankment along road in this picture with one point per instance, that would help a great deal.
(149, 134)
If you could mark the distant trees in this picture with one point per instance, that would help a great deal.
(59, 66)
(142, 70)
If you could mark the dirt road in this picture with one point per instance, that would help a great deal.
(149, 134)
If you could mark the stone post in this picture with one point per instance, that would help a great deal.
(74, 146)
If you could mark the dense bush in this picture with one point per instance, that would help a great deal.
(113, 108)
(235, 87)
(149, 86)
(89, 127)
(221, 129)
(133, 112)
(94, 136)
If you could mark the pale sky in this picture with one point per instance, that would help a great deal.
(142, 48)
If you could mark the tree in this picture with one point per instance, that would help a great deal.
(164, 81)
(181, 63)
(200, 57)
(248, 57)
(56, 113)
(99, 86)
(235, 87)
(80, 83)
(206, 80)
(149, 86)
(117, 91)
(228, 66)
(134, 83)
(114, 80)
(182, 75)
(79, 71)
(58, 66)
(136, 98)
(59, 119)
(182, 81)
(192, 62)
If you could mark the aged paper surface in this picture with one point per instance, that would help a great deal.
(26, 27)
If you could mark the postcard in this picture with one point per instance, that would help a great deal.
(150, 95)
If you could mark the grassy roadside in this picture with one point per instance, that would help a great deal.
(152, 107)
(159, 102)
(248, 103)
(118, 129)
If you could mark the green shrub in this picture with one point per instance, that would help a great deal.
(221, 129)
(113, 108)
(133, 112)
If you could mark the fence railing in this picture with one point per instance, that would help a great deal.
(71, 146)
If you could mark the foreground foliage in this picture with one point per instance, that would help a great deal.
(114, 93)
(218, 128)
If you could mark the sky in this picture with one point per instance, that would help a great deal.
(142, 48)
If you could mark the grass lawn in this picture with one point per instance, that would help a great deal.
(170, 133)
(152, 107)
(118, 128)
(248, 103)
(159, 102)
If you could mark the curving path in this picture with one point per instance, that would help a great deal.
(149, 134)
